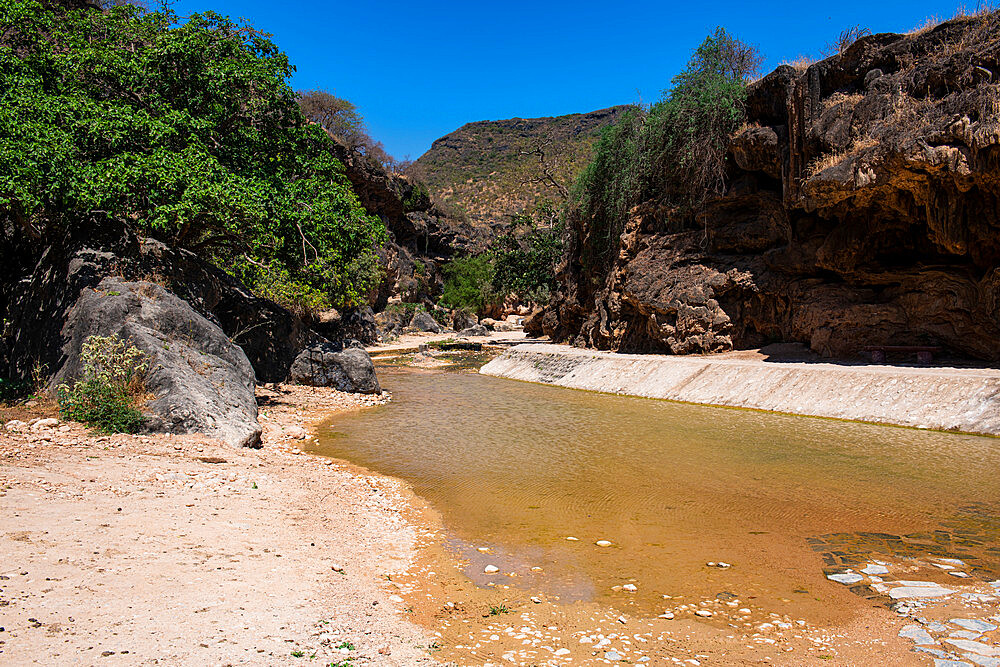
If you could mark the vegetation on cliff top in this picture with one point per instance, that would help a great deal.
(186, 130)
(673, 152)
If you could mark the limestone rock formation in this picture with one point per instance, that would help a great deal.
(199, 380)
(329, 365)
(862, 207)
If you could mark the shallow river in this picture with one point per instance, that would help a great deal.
(519, 468)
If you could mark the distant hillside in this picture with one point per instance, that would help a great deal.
(480, 169)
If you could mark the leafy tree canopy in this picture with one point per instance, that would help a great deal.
(186, 129)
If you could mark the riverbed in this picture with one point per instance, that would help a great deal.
(530, 478)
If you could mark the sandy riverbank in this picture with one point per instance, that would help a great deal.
(142, 550)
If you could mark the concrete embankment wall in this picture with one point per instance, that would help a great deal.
(950, 399)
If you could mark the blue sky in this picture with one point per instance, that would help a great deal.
(419, 70)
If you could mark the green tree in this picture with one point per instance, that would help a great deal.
(187, 130)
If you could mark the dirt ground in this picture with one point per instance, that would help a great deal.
(168, 550)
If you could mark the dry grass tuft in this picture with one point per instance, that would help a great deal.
(824, 162)
(801, 63)
(842, 98)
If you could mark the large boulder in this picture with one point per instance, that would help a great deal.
(35, 305)
(199, 380)
(330, 365)
(424, 321)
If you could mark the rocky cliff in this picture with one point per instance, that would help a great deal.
(862, 207)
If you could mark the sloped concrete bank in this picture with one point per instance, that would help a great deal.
(948, 399)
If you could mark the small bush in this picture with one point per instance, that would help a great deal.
(468, 283)
(106, 395)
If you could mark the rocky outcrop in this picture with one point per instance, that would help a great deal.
(423, 321)
(198, 379)
(862, 207)
(329, 365)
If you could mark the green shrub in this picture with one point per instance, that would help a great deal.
(105, 396)
(524, 260)
(468, 283)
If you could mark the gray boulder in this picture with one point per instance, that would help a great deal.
(461, 319)
(475, 330)
(200, 381)
(423, 321)
(329, 365)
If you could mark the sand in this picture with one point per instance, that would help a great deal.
(146, 550)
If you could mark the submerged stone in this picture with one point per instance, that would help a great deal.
(973, 647)
(917, 634)
(973, 624)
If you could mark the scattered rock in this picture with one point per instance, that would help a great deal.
(978, 648)
(44, 424)
(296, 432)
(491, 569)
(873, 568)
(603, 543)
(847, 578)
(475, 330)
(631, 588)
(918, 589)
(16, 425)
(973, 624)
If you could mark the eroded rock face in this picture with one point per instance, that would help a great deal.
(863, 207)
(200, 381)
(329, 365)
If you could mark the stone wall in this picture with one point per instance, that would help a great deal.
(948, 399)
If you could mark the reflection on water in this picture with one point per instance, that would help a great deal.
(518, 468)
